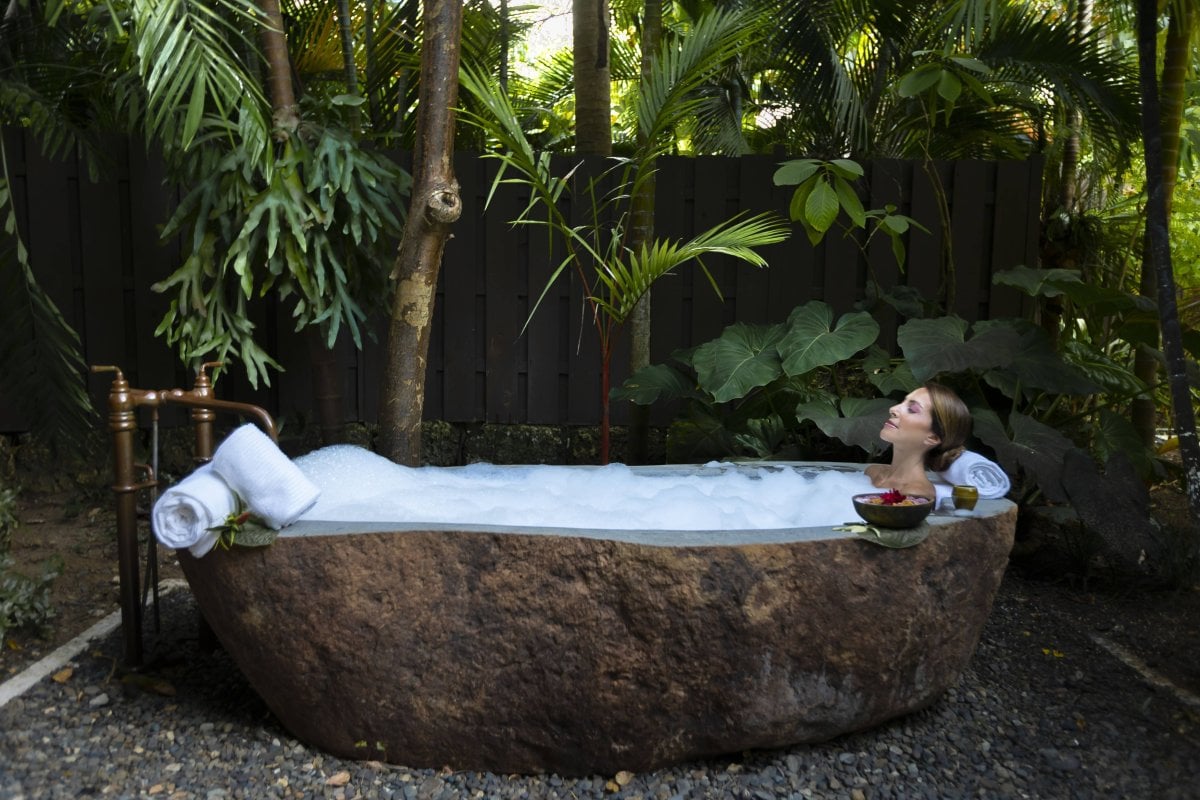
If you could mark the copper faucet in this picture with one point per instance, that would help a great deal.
(123, 402)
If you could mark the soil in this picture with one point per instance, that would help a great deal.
(1157, 629)
(83, 535)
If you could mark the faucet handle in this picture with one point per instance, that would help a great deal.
(118, 379)
(202, 377)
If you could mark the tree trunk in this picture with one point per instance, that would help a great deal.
(435, 206)
(369, 47)
(349, 68)
(327, 387)
(1176, 58)
(643, 231)
(1159, 249)
(285, 114)
(1070, 160)
(593, 85)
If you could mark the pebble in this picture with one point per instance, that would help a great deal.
(1002, 732)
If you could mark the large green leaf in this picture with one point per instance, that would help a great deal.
(700, 437)
(935, 346)
(1037, 282)
(811, 342)
(858, 425)
(653, 383)
(1106, 301)
(1112, 376)
(1116, 434)
(763, 436)
(1033, 447)
(885, 375)
(742, 358)
(821, 208)
(1037, 365)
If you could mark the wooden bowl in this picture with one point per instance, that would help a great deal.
(892, 516)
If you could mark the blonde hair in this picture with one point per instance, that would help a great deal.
(951, 422)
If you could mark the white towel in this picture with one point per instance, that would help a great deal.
(972, 469)
(184, 513)
(269, 485)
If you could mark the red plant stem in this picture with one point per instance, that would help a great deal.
(604, 385)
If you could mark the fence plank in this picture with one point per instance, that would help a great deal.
(973, 203)
(887, 182)
(462, 270)
(669, 319)
(1017, 247)
(932, 192)
(506, 247)
(101, 229)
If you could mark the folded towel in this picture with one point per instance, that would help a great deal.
(269, 485)
(972, 469)
(184, 513)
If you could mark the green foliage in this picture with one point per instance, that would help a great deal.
(940, 82)
(188, 76)
(760, 390)
(614, 266)
(825, 190)
(24, 601)
(743, 388)
(8, 518)
(38, 348)
(317, 222)
(869, 78)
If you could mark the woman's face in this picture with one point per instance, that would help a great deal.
(909, 422)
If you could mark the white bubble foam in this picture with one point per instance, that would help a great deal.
(359, 486)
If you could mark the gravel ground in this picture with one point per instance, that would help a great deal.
(1043, 711)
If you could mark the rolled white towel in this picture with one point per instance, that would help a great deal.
(269, 485)
(972, 469)
(184, 513)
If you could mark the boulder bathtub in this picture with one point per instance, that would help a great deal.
(577, 652)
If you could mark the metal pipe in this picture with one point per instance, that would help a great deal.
(123, 402)
(122, 423)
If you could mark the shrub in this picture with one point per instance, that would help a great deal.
(24, 601)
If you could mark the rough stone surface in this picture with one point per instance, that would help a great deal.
(527, 653)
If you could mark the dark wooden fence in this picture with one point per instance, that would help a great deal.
(96, 250)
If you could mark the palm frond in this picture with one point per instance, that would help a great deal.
(667, 96)
(627, 284)
(39, 350)
(186, 57)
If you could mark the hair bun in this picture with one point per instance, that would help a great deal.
(941, 461)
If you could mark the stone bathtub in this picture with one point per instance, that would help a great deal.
(536, 650)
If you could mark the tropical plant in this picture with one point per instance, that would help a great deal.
(616, 274)
(24, 601)
(751, 391)
(741, 390)
(832, 76)
(55, 93)
(825, 193)
(316, 219)
(1158, 261)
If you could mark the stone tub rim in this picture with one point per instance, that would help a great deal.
(653, 537)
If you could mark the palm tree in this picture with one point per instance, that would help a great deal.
(1159, 250)
(1036, 69)
(616, 273)
(593, 84)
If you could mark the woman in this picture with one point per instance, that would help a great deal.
(927, 430)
